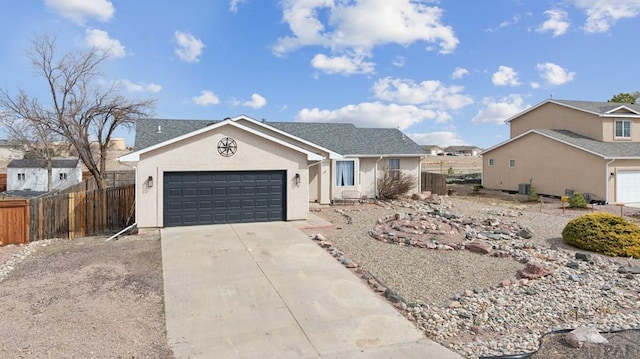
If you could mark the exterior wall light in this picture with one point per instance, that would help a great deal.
(150, 181)
(296, 178)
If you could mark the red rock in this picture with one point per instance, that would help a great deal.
(505, 283)
(319, 237)
(535, 271)
(479, 246)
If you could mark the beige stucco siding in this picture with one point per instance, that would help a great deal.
(553, 166)
(199, 153)
(553, 116)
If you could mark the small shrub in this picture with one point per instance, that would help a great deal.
(394, 185)
(477, 188)
(577, 201)
(450, 171)
(603, 233)
(533, 195)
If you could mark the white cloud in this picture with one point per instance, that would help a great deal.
(343, 65)
(140, 86)
(459, 73)
(398, 61)
(257, 101)
(371, 114)
(602, 14)
(554, 74)
(514, 20)
(440, 138)
(100, 40)
(359, 26)
(79, 10)
(499, 111)
(429, 94)
(233, 5)
(206, 98)
(556, 23)
(189, 47)
(505, 76)
(535, 85)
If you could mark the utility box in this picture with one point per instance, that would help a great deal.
(524, 188)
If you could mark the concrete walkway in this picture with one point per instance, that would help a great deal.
(266, 291)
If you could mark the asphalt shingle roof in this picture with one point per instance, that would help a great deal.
(345, 139)
(68, 163)
(606, 149)
(597, 107)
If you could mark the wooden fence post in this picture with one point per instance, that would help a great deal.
(72, 215)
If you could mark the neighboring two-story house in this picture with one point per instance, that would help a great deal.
(31, 175)
(560, 146)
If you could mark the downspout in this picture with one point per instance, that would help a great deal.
(606, 181)
(375, 178)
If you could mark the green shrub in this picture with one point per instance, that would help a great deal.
(533, 195)
(577, 201)
(477, 188)
(604, 233)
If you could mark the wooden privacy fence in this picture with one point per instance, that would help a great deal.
(433, 182)
(80, 214)
(14, 222)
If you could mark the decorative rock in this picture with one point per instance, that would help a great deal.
(479, 246)
(629, 269)
(525, 233)
(573, 265)
(319, 237)
(392, 296)
(455, 304)
(586, 257)
(326, 244)
(584, 335)
(505, 283)
(535, 271)
(468, 293)
(401, 306)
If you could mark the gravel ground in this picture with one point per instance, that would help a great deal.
(493, 318)
(83, 298)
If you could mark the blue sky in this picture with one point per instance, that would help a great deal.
(444, 72)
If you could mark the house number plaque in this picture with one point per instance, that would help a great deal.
(227, 147)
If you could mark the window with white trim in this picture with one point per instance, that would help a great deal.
(393, 168)
(623, 129)
(512, 163)
(345, 173)
(63, 176)
(491, 162)
(22, 177)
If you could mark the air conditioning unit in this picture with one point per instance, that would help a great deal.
(524, 188)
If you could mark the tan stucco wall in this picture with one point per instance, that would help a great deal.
(199, 153)
(554, 117)
(553, 166)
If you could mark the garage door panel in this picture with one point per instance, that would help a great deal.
(628, 186)
(193, 198)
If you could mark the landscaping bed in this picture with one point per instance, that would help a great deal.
(485, 304)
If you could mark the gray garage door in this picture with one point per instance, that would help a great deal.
(196, 198)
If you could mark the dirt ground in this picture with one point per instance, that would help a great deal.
(84, 298)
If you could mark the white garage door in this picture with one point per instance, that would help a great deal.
(628, 186)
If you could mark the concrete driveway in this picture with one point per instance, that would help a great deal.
(264, 290)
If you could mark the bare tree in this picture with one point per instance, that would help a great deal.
(35, 139)
(79, 108)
